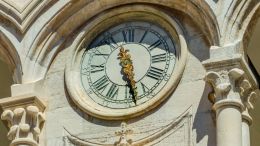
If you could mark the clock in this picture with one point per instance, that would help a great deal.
(152, 54)
(125, 62)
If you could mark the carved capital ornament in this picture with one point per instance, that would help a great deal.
(25, 118)
(230, 86)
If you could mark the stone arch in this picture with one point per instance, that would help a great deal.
(72, 17)
(10, 56)
(11, 73)
(249, 25)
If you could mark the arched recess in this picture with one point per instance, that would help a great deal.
(71, 18)
(6, 81)
(249, 26)
(9, 55)
(10, 73)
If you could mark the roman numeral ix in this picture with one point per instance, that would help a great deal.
(97, 68)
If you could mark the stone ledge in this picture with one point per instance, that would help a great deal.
(229, 57)
(22, 101)
(25, 118)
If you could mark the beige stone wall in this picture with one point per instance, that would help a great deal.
(191, 94)
(36, 41)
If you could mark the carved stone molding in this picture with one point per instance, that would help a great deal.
(177, 132)
(246, 117)
(234, 22)
(25, 118)
(123, 140)
(22, 13)
(232, 87)
(230, 76)
(235, 89)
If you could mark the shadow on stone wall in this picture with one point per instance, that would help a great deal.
(203, 122)
(5, 91)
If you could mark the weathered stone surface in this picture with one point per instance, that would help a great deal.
(40, 38)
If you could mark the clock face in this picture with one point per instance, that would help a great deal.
(152, 54)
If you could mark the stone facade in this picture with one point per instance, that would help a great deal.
(214, 93)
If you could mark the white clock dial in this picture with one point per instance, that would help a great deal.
(153, 55)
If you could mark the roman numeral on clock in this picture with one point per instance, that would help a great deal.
(155, 73)
(102, 54)
(84, 71)
(155, 44)
(159, 58)
(128, 35)
(113, 91)
(145, 33)
(97, 68)
(101, 83)
(144, 88)
(110, 41)
(98, 53)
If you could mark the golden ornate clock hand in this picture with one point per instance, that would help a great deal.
(128, 69)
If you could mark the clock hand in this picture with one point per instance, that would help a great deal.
(128, 69)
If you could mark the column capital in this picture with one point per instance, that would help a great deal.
(228, 57)
(234, 80)
(25, 117)
(233, 85)
(230, 76)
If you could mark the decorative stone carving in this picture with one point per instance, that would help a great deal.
(220, 83)
(235, 80)
(123, 140)
(25, 118)
(177, 131)
(234, 92)
(22, 13)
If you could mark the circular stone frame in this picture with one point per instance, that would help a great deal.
(99, 24)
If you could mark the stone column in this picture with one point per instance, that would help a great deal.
(227, 105)
(234, 90)
(249, 97)
(25, 117)
(246, 122)
(232, 96)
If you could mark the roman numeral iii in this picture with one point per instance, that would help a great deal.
(159, 58)
(155, 73)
